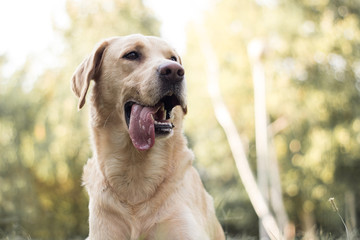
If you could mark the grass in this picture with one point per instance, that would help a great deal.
(336, 209)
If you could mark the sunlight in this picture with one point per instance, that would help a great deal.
(31, 29)
(174, 16)
(27, 29)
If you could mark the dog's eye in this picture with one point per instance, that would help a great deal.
(132, 55)
(173, 58)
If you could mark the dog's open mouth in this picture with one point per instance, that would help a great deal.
(146, 122)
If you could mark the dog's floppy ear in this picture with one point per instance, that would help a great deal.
(86, 71)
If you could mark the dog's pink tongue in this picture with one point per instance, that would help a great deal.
(141, 127)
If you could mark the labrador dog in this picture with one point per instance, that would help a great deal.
(140, 180)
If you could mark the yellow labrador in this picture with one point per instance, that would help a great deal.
(141, 181)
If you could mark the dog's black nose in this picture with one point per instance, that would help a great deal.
(171, 72)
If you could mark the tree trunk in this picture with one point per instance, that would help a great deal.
(223, 117)
(267, 166)
(255, 50)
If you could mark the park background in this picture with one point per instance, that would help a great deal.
(310, 57)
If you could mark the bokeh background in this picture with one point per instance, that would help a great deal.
(311, 61)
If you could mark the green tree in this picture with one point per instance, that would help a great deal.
(312, 68)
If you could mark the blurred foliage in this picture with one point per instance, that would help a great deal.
(44, 140)
(312, 63)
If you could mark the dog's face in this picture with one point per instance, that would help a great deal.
(140, 79)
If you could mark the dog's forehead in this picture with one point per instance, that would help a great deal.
(141, 43)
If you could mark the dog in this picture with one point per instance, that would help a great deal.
(140, 180)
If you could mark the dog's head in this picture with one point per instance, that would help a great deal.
(138, 78)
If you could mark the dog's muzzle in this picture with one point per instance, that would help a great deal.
(147, 122)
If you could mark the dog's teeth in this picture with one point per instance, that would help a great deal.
(162, 123)
(164, 112)
(164, 117)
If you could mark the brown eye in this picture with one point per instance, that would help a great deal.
(132, 55)
(173, 58)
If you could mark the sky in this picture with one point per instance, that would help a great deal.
(26, 28)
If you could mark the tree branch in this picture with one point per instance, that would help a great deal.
(223, 117)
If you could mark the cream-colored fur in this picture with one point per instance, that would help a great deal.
(152, 194)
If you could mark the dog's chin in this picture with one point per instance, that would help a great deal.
(145, 123)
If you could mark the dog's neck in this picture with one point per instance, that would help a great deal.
(135, 176)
